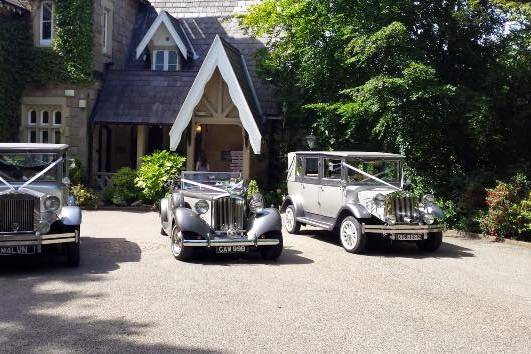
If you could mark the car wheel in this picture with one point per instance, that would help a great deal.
(178, 250)
(73, 251)
(290, 223)
(432, 243)
(352, 239)
(273, 252)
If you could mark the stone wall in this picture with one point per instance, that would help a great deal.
(123, 20)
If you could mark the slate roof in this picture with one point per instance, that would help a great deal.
(132, 96)
(142, 97)
(19, 5)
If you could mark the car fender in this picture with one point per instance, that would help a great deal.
(357, 210)
(70, 215)
(189, 221)
(266, 221)
(297, 204)
(164, 208)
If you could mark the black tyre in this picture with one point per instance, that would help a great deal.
(273, 252)
(73, 252)
(352, 239)
(432, 243)
(291, 224)
(179, 251)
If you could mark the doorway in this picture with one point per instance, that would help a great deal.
(222, 146)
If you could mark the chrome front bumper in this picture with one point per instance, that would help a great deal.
(400, 229)
(230, 242)
(31, 239)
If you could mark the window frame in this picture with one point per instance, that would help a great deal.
(53, 118)
(166, 59)
(311, 179)
(29, 118)
(42, 118)
(46, 41)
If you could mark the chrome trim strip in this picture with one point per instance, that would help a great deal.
(400, 229)
(32, 239)
(219, 243)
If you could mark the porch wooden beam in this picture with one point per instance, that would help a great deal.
(210, 107)
(227, 110)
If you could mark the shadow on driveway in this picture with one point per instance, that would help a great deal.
(377, 246)
(30, 322)
(288, 256)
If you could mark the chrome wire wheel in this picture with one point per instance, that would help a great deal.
(290, 219)
(176, 243)
(349, 235)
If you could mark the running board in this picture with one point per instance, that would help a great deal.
(318, 223)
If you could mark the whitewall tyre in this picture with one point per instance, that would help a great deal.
(291, 224)
(352, 239)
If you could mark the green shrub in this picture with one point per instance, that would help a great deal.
(124, 190)
(155, 171)
(252, 188)
(506, 214)
(77, 174)
(85, 197)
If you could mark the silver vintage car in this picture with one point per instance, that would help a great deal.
(358, 194)
(36, 211)
(209, 210)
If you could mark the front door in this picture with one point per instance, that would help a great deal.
(310, 185)
(331, 192)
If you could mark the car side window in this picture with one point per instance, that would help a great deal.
(311, 167)
(299, 167)
(332, 169)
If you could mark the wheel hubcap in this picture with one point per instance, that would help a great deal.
(176, 243)
(349, 235)
(289, 219)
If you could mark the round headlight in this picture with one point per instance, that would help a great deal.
(379, 200)
(52, 203)
(201, 206)
(428, 200)
(391, 219)
(256, 204)
(428, 219)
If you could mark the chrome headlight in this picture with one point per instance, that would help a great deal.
(428, 219)
(379, 200)
(391, 220)
(52, 203)
(256, 204)
(202, 206)
(428, 200)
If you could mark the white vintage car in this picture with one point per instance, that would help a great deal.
(37, 213)
(358, 194)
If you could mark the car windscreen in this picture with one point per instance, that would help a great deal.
(222, 180)
(21, 167)
(386, 170)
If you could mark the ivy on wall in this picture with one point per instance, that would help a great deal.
(15, 64)
(74, 38)
(69, 60)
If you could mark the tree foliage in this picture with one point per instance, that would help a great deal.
(444, 82)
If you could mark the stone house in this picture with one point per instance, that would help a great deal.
(176, 75)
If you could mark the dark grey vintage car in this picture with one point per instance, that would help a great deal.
(358, 194)
(209, 210)
(36, 211)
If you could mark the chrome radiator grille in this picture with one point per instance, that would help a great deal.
(17, 213)
(403, 208)
(228, 213)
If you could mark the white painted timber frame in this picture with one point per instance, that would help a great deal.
(216, 58)
(163, 19)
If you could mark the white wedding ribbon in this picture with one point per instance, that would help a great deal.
(371, 176)
(203, 185)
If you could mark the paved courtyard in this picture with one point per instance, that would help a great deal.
(130, 294)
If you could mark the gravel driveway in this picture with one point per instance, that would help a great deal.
(129, 294)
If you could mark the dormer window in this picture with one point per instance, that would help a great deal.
(46, 23)
(165, 60)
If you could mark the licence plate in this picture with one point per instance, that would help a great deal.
(8, 251)
(230, 249)
(408, 237)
